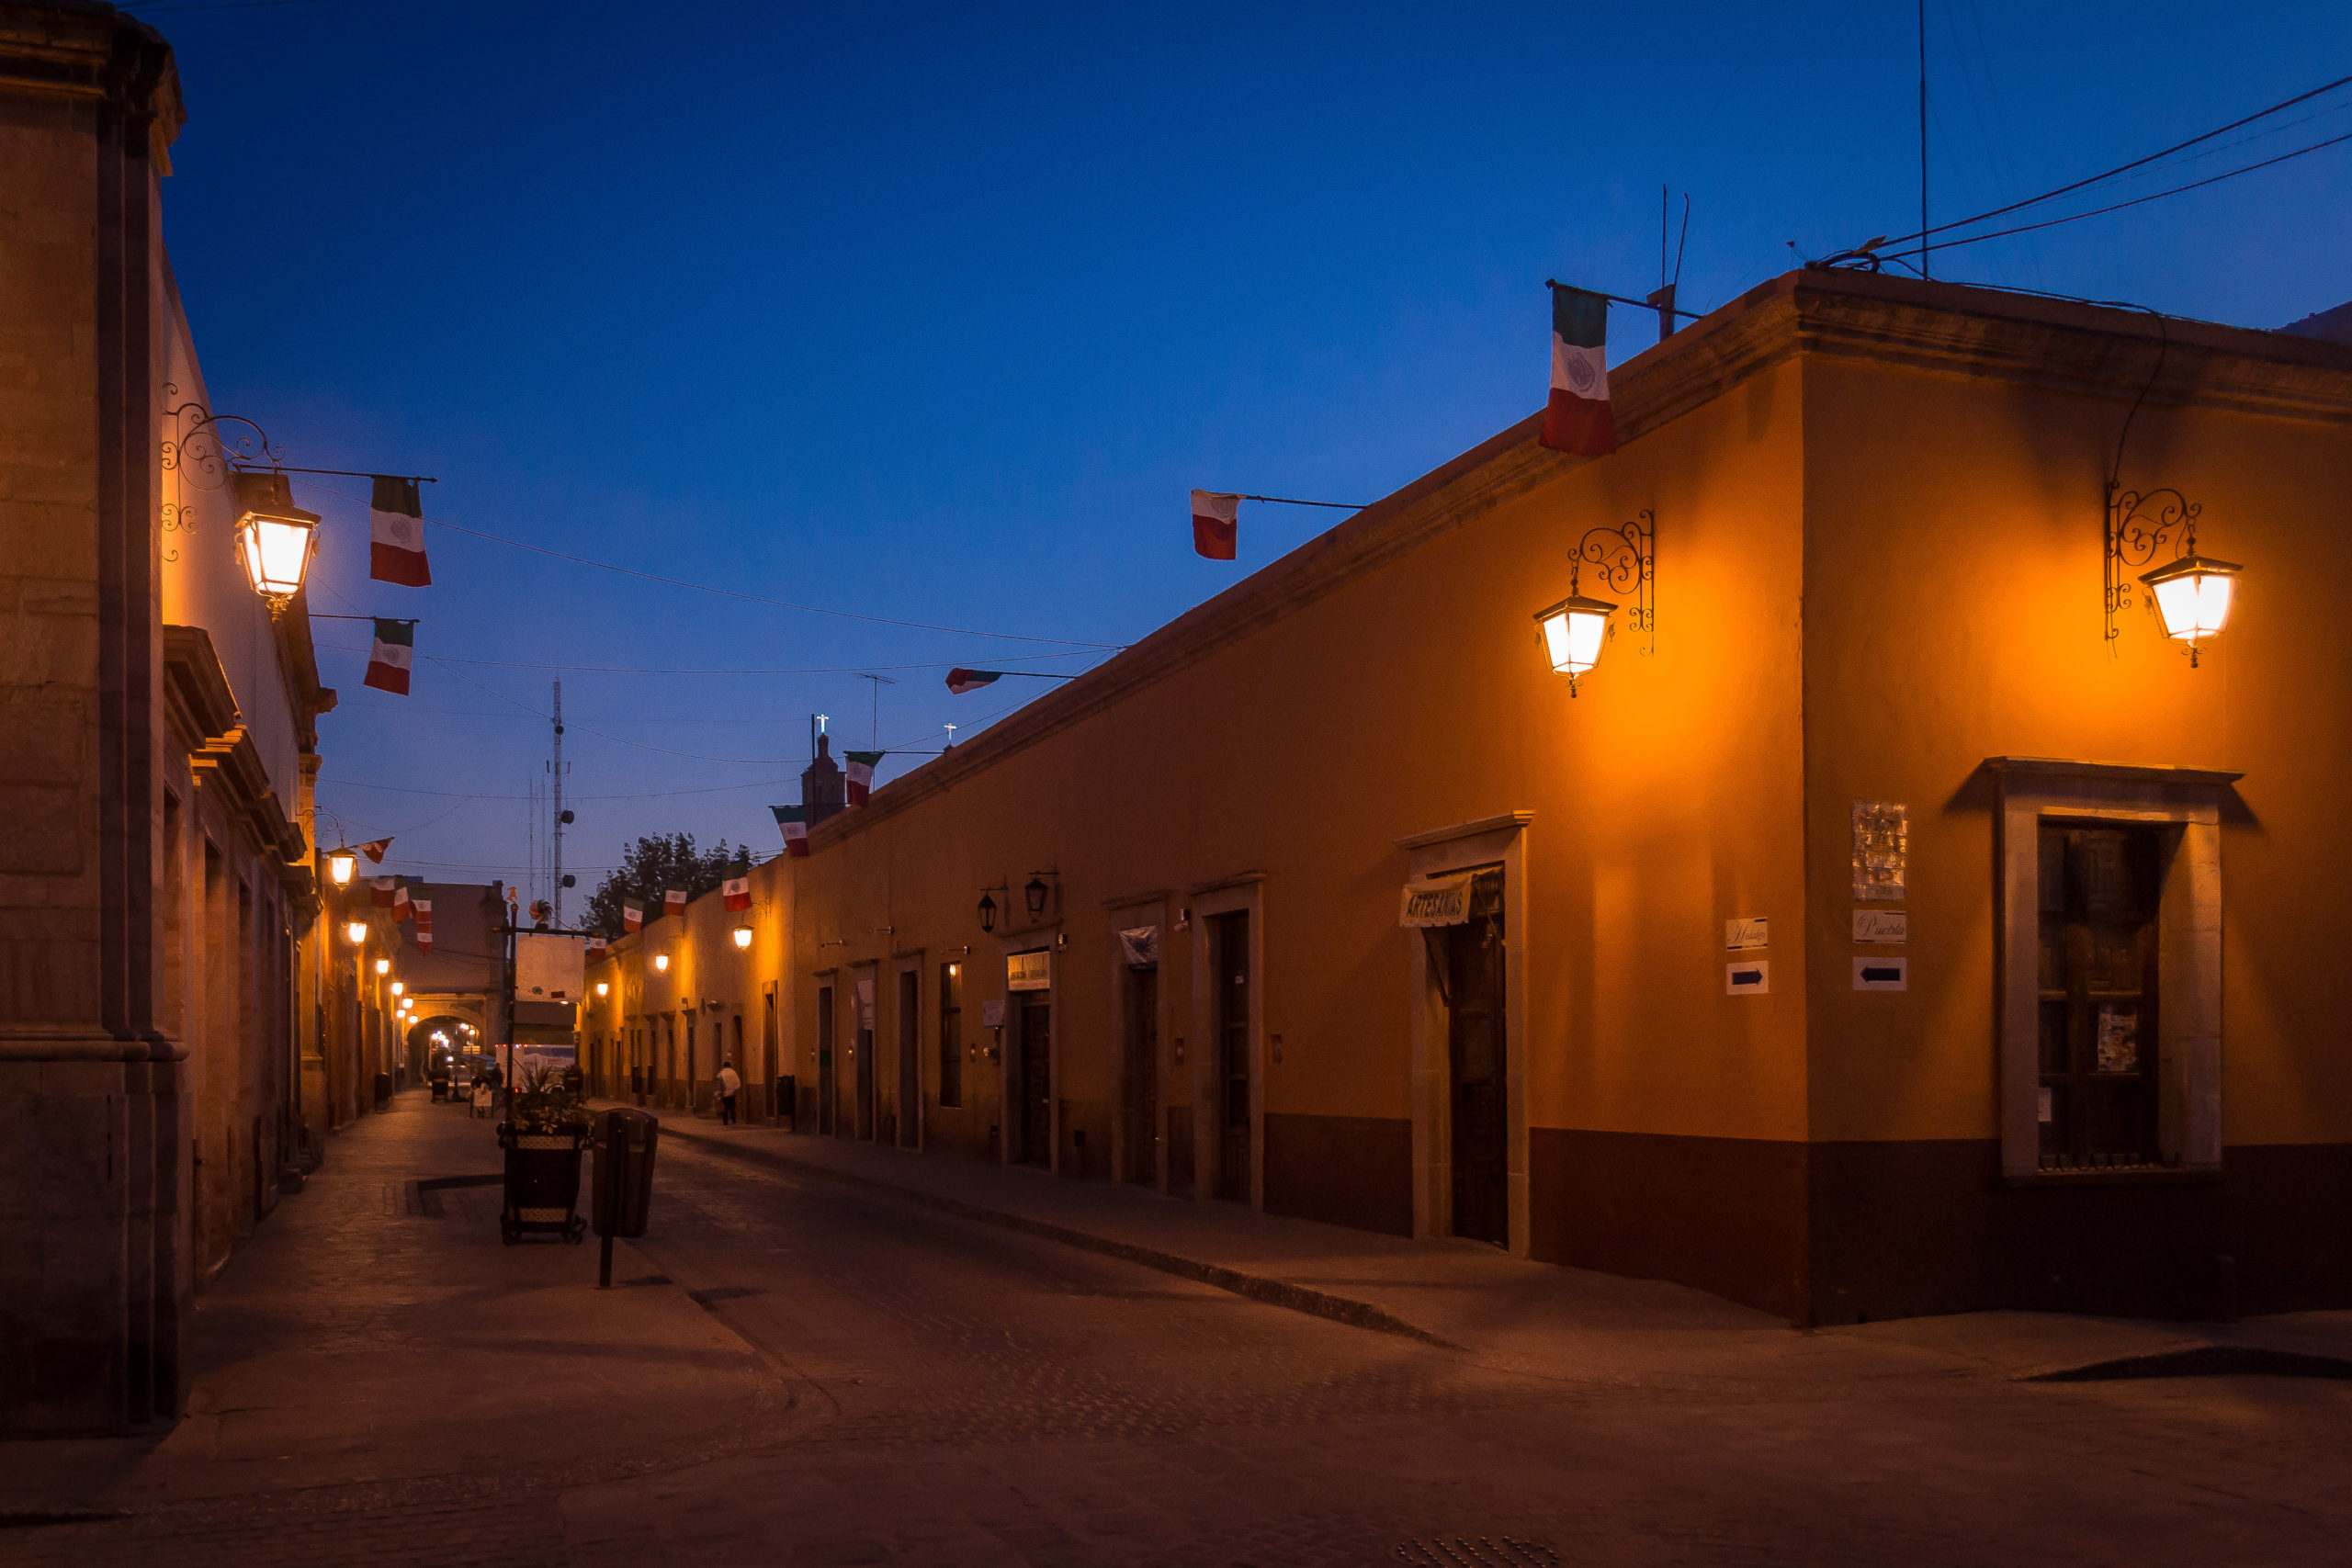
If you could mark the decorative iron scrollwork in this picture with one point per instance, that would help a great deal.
(2140, 525)
(1623, 557)
(198, 451)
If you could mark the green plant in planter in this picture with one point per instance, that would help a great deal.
(545, 1103)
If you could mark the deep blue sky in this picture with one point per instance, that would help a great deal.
(936, 312)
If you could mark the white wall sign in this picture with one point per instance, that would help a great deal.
(992, 1014)
(1739, 935)
(1881, 925)
(1882, 974)
(1029, 971)
(1750, 978)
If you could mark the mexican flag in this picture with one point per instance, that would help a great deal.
(425, 938)
(861, 774)
(374, 850)
(382, 889)
(738, 892)
(596, 947)
(960, 681)
(401, 908)
(1216, 524)
(395, 650)
(674, 901)
(632, 917)
(1576, 417)
(421, 913)
(794, 820)
(396, 534)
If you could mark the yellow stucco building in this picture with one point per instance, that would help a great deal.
(1893, 921)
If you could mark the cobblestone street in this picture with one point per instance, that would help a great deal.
(798, 1370)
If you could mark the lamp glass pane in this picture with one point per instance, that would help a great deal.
(2194, 605)
(356, 930)
(742, 936)
(276, 550)
(339, 866)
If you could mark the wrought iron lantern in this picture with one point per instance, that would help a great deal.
(357, 932)
(743, 936)
(383, 965)
(398, 988)
(341, 864)
(661, 964)
(1574, 630)
(603, 987)
(275, 538)
(1033, 893)
(988, 912)
(2192, 597)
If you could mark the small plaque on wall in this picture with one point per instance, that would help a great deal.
(1739, 935)
(992, 1015)
(1751, 978)
(1881, 925)
(1882, 974)
(1882, 852)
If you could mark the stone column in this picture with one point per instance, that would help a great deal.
(93, 1124)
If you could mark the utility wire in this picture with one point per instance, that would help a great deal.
(2117, 207)
(631, 669)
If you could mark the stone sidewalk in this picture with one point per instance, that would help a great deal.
(374, 1333)
(1533, 1317)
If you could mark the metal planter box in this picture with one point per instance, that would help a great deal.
(542, 1183)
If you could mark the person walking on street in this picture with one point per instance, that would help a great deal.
(729, 1081)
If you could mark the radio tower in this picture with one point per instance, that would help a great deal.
(556, 767)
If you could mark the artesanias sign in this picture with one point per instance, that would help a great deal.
(1436, 902)
(1029, 971)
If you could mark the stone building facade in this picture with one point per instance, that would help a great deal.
(157, 893)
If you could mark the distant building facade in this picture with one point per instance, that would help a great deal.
(1870, 933)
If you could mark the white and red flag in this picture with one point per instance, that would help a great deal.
(396, 534)
(1216, 524)
(382, 889)
(596, 947)
(960, 680)
(388, 660)
(738, 892)
(859, 774)
(632, 917)
(420, 910)
(1577, 417)
(374, 850)
(794, 820)
(674, 901)
(403, 909)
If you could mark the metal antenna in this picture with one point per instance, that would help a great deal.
(879, 682)
(557, 770)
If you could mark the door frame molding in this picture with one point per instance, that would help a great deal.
(1010, 1096)
(1241, 895)
(1486, 840)
(1123, 914)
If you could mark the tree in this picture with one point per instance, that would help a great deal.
(657, 863)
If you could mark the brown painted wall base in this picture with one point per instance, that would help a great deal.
(1347, 1170)
(1853, 1232)
(1724, 1214)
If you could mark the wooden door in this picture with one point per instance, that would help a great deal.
(1036, 1080)
(1232, 952)
(1478, 1065)
(825, 1119)
(2100, 889)
(1143, 1076)
(908, 1099)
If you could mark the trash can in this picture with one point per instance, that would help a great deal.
(787, 1101)
(383, 1089)
(624, 1141)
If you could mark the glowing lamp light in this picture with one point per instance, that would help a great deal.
(661, 962)
(1574, 630)
(275, 547)
(2193, 598)
(398, 987)
(383, 965)
(603, 987)
(357, 932)
(742, 936)
(340, 864)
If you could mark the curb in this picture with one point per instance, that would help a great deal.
(1256, 1287)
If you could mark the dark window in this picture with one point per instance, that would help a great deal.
(951, 1034)
(2099, 891)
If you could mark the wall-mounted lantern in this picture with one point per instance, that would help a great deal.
(1034, 893)
(661, 964)
(341, 864)
(1574, 630)
(742, 936)
(2190, 594)
(603, 987)
(383, 965)
(357, 932)
(398, 988)
(275, 538)
(987, 911)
